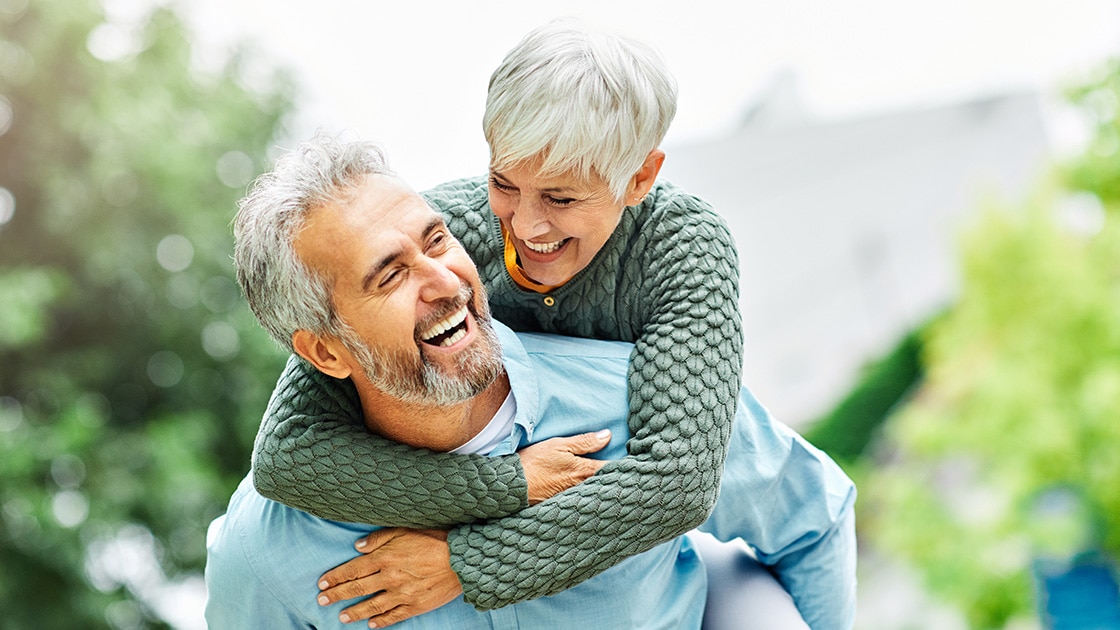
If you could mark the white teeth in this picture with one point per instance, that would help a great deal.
(453, 320)
(453, 339)
(545, 248)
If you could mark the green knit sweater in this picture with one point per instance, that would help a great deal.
(667, 280)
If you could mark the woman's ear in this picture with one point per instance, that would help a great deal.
(645, 177)
(327, 354)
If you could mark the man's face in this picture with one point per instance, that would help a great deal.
(417, 322)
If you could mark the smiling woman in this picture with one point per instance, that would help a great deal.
(556, 224)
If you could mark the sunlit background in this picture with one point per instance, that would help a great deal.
(924, 196)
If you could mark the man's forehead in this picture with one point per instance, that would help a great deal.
(383, 203)
(388, 200)
(382, 209)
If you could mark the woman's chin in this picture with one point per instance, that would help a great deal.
(550, 274)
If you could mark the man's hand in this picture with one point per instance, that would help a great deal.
(407, 571)
(555, 465)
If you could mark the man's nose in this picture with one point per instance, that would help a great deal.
(530, 220)
(440, 282)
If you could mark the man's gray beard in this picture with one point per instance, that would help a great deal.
(409, 378)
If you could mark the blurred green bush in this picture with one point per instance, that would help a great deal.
(1021, 393)
(132, 378)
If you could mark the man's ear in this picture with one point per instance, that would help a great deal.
(644, 179)
(326, 354)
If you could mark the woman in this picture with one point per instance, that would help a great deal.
(572, 234)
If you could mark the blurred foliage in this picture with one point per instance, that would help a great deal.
(130, 379)
(846, 431)
(1021, 397)
(1098, 170)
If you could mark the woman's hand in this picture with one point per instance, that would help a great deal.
(554, 465)
(407, 572)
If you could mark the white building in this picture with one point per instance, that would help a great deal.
(846, 229)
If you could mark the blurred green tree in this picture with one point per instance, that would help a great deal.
(1021, 394)
(130, 372)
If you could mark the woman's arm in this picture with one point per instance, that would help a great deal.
(314, 453)
(684, 380)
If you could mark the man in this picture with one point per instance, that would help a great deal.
(381, 294)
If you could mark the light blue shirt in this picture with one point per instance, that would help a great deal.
(788, 501)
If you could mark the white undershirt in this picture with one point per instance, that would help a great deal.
(498, 429)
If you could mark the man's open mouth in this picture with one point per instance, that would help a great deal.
(447, 331)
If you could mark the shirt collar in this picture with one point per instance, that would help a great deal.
(523, 381)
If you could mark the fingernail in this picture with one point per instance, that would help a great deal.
(361, 544)
(323, 584)
(323, 600)
(344, 618)
(604, 434)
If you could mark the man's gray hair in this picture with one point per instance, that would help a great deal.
(586, 101)
(282, 292)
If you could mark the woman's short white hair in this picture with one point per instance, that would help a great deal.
(282, 292)
(584, 100)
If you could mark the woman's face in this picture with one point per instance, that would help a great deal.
(557, 224)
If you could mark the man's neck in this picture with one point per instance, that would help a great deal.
(436, 427)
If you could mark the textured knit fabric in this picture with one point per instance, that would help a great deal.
(667, 280)
(781, 496)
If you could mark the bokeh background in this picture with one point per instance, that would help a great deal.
(924, 195)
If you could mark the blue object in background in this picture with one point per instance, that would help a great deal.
(1081, 594)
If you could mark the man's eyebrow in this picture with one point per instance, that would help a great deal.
(375, 270)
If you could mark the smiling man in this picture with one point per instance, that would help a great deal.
(420, 337)
(346, 265)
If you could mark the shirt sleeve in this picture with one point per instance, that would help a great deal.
(314, 453)
(684, 379)
(795, 507)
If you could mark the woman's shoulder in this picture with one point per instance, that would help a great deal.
(667, 200)
(458, 196)
(672, 215)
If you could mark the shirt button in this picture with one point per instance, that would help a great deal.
(548, 301)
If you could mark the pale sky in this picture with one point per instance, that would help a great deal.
(412, 75)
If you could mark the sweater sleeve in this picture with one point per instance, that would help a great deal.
(684, 379)
(313, 453)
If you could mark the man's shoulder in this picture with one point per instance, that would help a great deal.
(544, 344)
(235, 539)
(246, 537)
(536, 346)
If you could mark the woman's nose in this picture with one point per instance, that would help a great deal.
(529, 221)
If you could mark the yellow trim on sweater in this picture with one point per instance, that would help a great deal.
(517, 274)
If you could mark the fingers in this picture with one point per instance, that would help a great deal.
(349, 590)
(374, 540)
(362, 565)
(350, 571)
(376, 609)
(555, 465)
(396, 615)
(590, 467)
(588, 442)
(379, 612)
